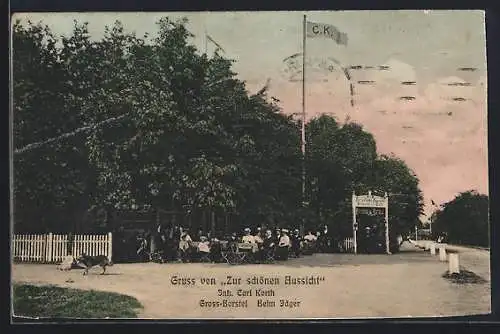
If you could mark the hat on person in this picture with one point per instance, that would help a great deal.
(203, 238)
(247, 229)
(284, 230)
(296, 230)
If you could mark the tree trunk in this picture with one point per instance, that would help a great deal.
(213, 223)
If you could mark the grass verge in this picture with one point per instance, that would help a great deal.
(56, 302)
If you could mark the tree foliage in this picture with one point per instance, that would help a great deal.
(464, 219)
(54, 178)
(343, 160)
(181, 132)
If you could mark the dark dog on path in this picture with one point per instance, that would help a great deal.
(91, 261)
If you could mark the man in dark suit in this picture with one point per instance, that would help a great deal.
(296, 241)
(324, 240)
(268, 245)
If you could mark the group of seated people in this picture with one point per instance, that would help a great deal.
(262, 244)
(177, 244)
(174, 243)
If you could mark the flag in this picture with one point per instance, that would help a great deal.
(215, 43)
(326, 31)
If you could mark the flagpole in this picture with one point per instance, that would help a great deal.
(303, 132)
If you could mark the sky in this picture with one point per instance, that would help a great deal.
(442, 140)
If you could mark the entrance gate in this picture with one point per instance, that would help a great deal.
(370, 201)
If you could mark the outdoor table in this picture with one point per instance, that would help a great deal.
(248, 250)
(249, 247)
(238, 252)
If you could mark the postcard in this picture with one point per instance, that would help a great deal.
(249, 165)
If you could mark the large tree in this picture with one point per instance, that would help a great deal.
(465, 219)
(51, 178)
(342, 160)
(393, 176)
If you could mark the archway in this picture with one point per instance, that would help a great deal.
(370, 202)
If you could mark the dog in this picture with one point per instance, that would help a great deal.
(92, 261)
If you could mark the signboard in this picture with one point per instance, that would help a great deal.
(369, 201)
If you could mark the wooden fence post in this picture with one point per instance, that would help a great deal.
(48, 255)
(76, 244)
(110, 246)
(69, 244)
(22, 246)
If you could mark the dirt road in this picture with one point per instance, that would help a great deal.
(354, 286)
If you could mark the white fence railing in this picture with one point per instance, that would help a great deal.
(51, 248)
(348, 245)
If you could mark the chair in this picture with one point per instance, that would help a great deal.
(157, 256)
(269, 254)
(238, 253)
(247, 251)
(224, 250)
(229, 252)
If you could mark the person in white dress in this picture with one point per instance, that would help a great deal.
(310, 237)
(284, 245)
(310, 240)
(258, 236)
(247, 237)
(184, 245)
(204, 245)
(284, 239)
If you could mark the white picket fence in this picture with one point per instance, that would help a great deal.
(348, 244)
(53, 248)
